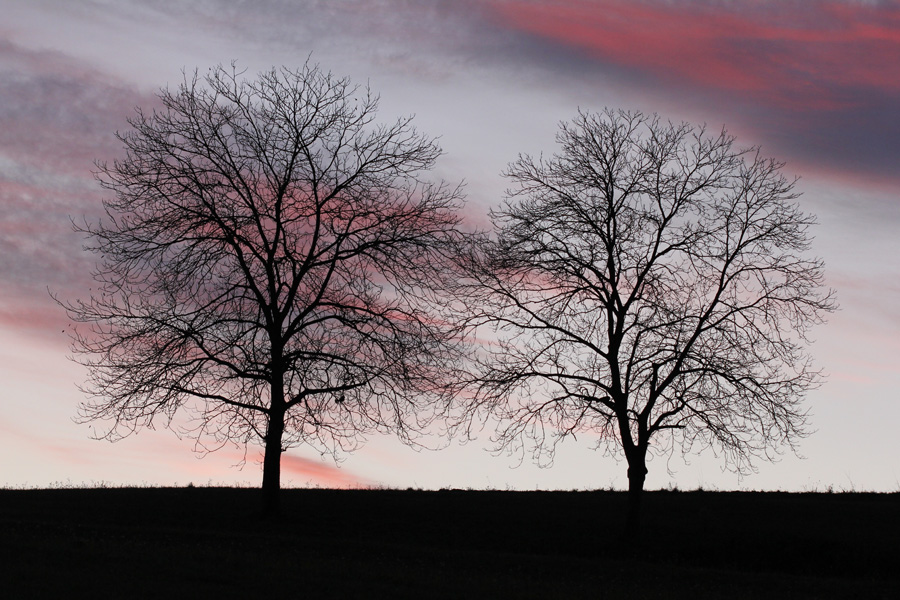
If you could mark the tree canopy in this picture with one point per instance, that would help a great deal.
(269, 262)
(648, 284)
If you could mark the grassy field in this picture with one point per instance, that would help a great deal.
(211, 543)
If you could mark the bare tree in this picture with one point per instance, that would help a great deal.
(647, 284)
(268, 263)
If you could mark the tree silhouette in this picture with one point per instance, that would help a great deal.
(269, 263)
(647, 284)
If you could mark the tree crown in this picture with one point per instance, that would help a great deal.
(270, 247)
(649, 280)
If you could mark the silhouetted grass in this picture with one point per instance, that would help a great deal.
(210, 542)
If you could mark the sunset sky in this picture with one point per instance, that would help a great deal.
(814, 83)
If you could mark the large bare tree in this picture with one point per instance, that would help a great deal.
(647, 284)
(268, 263)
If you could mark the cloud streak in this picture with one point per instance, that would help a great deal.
(819, 80)
(58, 116)
(317, 472)
(798, 55)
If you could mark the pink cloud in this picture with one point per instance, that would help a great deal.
(318, 472)
(788, 54)
(41, 319)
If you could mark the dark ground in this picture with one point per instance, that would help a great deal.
(211, 543)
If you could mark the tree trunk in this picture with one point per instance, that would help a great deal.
(637, 473)
(271, 485)
(636, 455)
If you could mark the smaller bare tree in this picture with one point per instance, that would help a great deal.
(647, 284)
(269, 263)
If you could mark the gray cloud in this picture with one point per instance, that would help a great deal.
(59, 116)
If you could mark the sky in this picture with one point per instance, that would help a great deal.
(815, 84)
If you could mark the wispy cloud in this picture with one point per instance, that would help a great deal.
(818, 80)
(58, 116)
(799, 55)
(318, 472)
